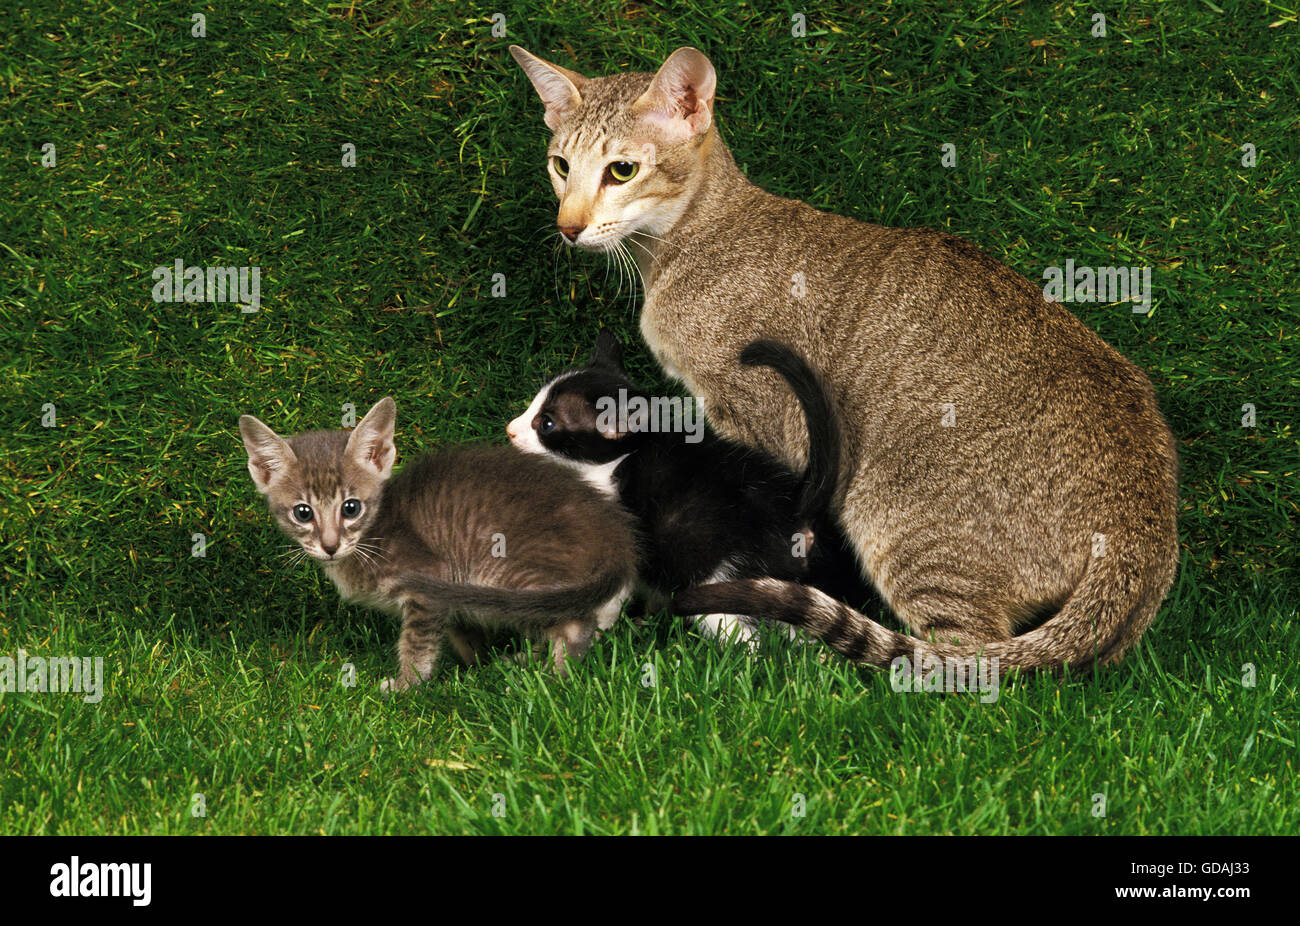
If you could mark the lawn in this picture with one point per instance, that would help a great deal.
(240, 696)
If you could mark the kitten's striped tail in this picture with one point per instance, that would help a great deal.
(546, 604)
(822, 475)
(1102, 618)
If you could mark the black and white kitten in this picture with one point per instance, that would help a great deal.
(709, 510)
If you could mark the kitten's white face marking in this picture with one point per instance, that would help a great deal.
(524, 436)
(521, 431)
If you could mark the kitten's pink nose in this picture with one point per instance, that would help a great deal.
(329, 550)
(572, 231)
(510, 430)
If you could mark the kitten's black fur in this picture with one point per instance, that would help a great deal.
(714, 506)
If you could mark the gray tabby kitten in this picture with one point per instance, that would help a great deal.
(463, 540)
(1003, 469)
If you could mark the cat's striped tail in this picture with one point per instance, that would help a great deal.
(545, 605)
(822, 474)
(1096, 625)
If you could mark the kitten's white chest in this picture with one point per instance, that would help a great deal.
(599, 475)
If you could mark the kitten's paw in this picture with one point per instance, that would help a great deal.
(798, 636)
(393, 685)
(529, 655)
(733, 629)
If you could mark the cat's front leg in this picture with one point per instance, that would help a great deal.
(569, 641)
(665, 347)
(418, 648)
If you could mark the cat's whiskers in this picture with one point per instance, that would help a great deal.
(646, 234)
(371, 552)
(606, 251)
(546, 229)
(634, 272)
(292, 555)
(625, 273)
(555, 260)
(616, 250)
(611, 256)
(649, 253)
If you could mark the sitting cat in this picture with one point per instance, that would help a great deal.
(462, 540)
(709, 510)
(1002, 464)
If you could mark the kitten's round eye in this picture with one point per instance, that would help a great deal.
(351, 508)
(546, 425)
(561, 167)
(302, 513)
(623, 171)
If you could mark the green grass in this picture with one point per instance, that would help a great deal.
(224, 673)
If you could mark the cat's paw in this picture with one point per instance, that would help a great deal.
(798, 636)
(393, 685)
(733, 629)
(530, 654)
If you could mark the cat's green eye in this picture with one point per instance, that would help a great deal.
(351, 508)
(623, 171)
(302, 513)
(561, 167)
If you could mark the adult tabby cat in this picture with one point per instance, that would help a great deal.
(1000, 462)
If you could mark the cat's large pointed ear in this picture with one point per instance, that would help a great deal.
(269, 455)
(371, 444)
(679, 101)
(559, 88)
(607, 352)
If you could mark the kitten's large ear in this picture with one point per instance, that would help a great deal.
(559, 88)
(371, 444)
(269, 455)
(607, 352)
(680, 99)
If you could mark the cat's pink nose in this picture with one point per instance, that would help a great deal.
(510, 430)
(572, 231)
